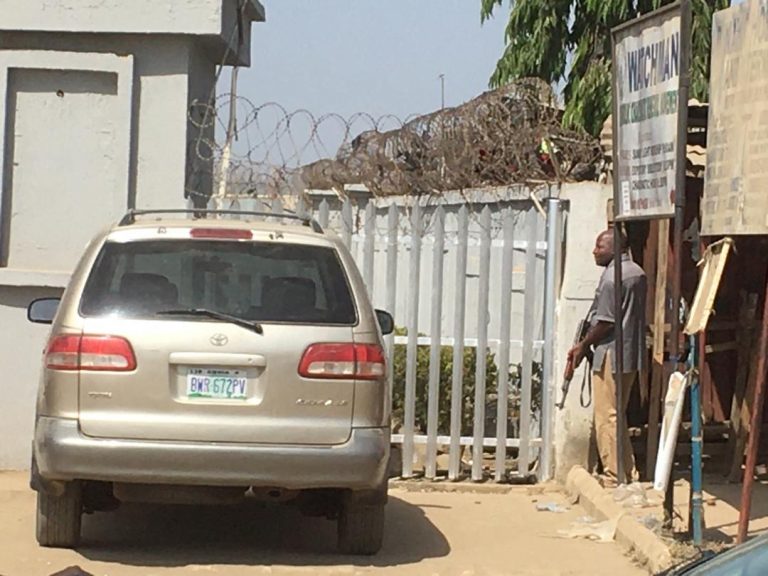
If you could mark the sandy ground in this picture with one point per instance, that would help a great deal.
(722, 503)
(428, 533)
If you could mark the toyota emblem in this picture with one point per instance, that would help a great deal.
(219, 340)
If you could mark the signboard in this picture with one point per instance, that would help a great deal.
(736, 184)
(715, 259)
(650, 112)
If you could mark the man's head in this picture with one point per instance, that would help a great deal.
(604, 247)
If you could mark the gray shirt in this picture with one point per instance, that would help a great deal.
(633, 285)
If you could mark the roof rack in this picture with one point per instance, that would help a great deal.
(130, 216)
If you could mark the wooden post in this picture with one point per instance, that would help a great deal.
(744, 386)
(650, 257)
(618, 335)
(657, 371)
(756, 425)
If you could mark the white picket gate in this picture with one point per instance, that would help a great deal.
(480, 275)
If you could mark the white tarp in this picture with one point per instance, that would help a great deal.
(647, 63)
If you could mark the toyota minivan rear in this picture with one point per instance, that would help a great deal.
(213, 358)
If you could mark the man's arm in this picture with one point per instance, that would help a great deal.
(604, 319)
(596, 334)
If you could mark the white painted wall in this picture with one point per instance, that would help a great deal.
(21, 346)
(66, 120)
(200, 129)
(91, 124)
(87, 103)
(98, 153)
(216, 20)
(586, 219)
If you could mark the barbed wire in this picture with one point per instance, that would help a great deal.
(512, 135)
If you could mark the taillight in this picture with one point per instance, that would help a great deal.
(370, 362)
(221, 233)
(90, 353)
(343, 362)
(63, 353)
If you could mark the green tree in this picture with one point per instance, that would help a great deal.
(569, 41)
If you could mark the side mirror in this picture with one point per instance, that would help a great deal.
(386, 322)
(43, 311)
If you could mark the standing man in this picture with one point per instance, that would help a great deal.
(601, 337)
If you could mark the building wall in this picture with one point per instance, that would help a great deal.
(46, 177)
(165, 78)
(90, 125)
(83, 141)
(21, 347)
(586, 219)
(200, 125)
(215, 20)
(105, 16)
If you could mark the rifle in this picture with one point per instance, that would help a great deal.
(586, 384)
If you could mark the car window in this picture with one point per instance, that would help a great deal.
(260, 281)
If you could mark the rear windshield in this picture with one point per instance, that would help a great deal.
(260, 281)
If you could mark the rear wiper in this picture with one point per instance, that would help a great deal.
(242, 322)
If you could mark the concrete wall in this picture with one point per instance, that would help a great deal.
(200, 128)
(66, 140)
(21, 348)
(586, 219)
(215, 20)
(87, 135)
(73, 140)
(92, 124)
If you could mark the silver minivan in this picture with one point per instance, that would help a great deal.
(200, 359)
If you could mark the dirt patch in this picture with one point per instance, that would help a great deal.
(683, 551)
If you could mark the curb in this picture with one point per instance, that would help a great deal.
(449, 487)
(643, 544)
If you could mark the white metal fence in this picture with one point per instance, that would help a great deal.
(460, 278)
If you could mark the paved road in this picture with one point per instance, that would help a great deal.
(428, 533)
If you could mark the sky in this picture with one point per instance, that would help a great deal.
(373, 56)
(362, 56)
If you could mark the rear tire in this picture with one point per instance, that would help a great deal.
(59, 517)
(361, 529)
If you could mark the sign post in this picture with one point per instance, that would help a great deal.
(650, 126)
(650, 112)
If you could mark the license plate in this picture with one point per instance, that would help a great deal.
(217, 384)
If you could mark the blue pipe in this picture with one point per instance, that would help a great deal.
(696, 446)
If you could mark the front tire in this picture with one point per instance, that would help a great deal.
(59, 517)
(361, 529)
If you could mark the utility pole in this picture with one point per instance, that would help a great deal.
(442, 120)
(226, 156)
(442, 91)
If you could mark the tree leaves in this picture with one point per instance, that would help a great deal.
(542, 35)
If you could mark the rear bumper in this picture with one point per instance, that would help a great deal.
(62, 452)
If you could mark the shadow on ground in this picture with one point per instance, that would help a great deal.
(250, 535)
(722, 528)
